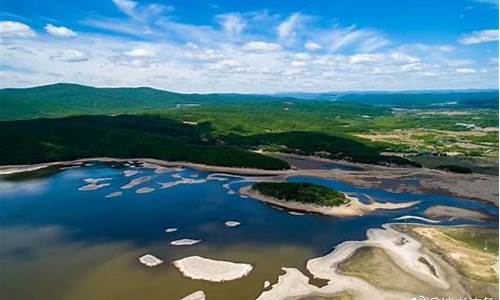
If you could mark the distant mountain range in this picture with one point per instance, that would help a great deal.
(471, 98)
(63, 99)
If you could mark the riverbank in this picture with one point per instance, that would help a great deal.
(351, 209)
(400, 262)
(394, 179)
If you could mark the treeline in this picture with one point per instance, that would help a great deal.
(45, 140)
(319, 144)
(301, 192)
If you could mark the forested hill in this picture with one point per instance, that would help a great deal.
(63, 99)
(487, 99)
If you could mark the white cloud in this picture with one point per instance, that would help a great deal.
(232, 23)
(126, 6)
(446, 48)
(404, 58)
(141, 13)
(70, 56)
(312, 46)
(231, 57)
(298, 63)
(61, 31)
(483, 36)
(494, 3)
(365, 58)
(343, 37)
(139, 53)
(261, 46)
(373, 43)
(465, 71)
(286, 30)
(15, 29)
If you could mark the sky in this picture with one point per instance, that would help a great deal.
(251, 46)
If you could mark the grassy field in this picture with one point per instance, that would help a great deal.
(301, 192)
(472, 251)
(376, 267)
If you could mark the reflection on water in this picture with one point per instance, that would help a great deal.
(57, 242)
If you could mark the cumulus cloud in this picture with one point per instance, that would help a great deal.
(365, 58)
(15, 29)
(261, 46)
(139, 53)
(312, 46)
(233, 23)
(236, 52)
(404, 58)
(71, 56)
(483, 36)
(60, 32)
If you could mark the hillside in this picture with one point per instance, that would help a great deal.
(63, 99)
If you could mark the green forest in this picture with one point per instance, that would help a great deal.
(301, 192)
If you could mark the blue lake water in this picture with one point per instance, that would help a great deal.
(198, 210)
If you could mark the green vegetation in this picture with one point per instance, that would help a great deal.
(63, 99)
(485, 239)
(375, 266)
(454, 169)
(474, 164)
(352, 131)
(301, 192)
(45, 140)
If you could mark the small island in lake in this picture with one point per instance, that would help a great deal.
(313, 198)
(301, 192)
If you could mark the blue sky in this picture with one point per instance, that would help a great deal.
(251, 46)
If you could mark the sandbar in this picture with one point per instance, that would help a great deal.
(442, 211)
(198, 295)
(145, 190)
(184, 242)
(150, 260)
(136, 181)
(353, 208)
(92, 186)
(114, 194)
(232, 223)
(197, 267)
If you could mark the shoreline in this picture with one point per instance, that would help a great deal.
(404, 251)
(12, 169)
(354, 208)
(475, 187)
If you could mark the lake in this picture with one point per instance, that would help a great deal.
(59, 242)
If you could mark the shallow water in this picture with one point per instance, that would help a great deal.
(57, 242)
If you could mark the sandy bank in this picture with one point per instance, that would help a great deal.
(404, 218)
(93, 186)
(150, 260)
(184, 242)
(291, 285)
(395, 179)
(232, 223)
(442, 211)
(201, 268)
(198, 295)
(114, 194)
(353, 208)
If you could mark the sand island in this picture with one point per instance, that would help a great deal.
(308, 197)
